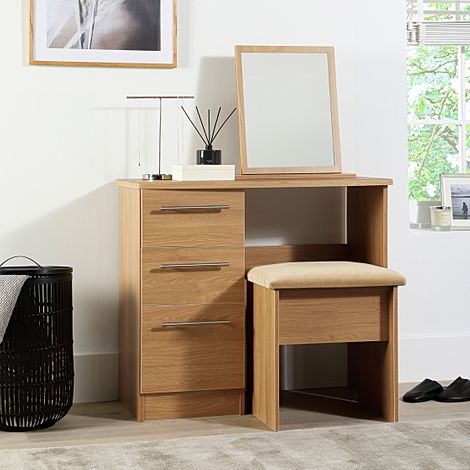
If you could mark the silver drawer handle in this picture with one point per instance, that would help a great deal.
(210, 207)
(222, 264)
(194, 323)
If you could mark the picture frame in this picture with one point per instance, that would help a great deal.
(104, 33)
(455, 193)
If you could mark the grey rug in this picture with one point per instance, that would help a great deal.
(432, 445)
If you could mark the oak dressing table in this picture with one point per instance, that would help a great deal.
(183, 292)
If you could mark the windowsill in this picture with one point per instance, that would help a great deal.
(418, 228)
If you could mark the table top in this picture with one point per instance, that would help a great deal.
(260, 182)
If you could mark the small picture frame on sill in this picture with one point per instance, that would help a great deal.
(455, 193)
(103, 33)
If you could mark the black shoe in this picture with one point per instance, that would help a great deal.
(457, 391)
(427, 390)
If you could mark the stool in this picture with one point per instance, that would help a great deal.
(327, 302)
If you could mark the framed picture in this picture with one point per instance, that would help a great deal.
(104, 33)
(455, 191)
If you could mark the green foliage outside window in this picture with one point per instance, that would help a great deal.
(433, 95)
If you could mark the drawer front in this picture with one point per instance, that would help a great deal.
(310, 316)
(179, 353)
(193, 218)
(173, 276)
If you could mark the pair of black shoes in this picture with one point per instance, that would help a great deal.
(457, 391)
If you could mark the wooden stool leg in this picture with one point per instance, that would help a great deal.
(390, 372)
(266, 356)
(373, 369)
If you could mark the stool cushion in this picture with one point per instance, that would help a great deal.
(323, 274)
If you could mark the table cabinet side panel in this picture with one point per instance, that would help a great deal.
(367, 225)
(130, 301)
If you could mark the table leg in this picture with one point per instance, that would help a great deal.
(373, 369)
(266, 356)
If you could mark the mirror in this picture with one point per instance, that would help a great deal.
(288, 110)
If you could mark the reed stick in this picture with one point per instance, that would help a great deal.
(215, 125)
(203, 128)
(223, 124)
(194, 125)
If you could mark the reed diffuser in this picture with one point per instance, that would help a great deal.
(208, 134)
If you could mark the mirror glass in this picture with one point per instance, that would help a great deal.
(288, 110)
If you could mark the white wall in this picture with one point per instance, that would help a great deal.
(434, 321)
(67, 133)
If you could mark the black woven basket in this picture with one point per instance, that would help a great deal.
(36, 355)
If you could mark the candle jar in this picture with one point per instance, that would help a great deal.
(441, 218)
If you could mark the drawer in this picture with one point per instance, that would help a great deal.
(193, 275)
(179, 353)
(193, 218)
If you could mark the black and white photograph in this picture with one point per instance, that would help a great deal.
(455, 193)
(104, 24)
(460, 195)
(104, 32)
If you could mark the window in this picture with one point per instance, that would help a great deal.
(438, 94)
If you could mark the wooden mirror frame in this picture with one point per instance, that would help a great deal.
(329, 50)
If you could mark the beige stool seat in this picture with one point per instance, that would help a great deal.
(323, 275)
(326, 302)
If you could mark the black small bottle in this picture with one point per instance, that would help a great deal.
(209, 156)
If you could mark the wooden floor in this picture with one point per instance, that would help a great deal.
(110, 423)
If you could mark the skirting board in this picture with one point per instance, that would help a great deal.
(96, 377)
(438, 358)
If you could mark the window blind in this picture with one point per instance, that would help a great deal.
(438, 23)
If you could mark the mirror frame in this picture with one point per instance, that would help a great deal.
(330, 51)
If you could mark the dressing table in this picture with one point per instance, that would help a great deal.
(183, 290)
(186, 315)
